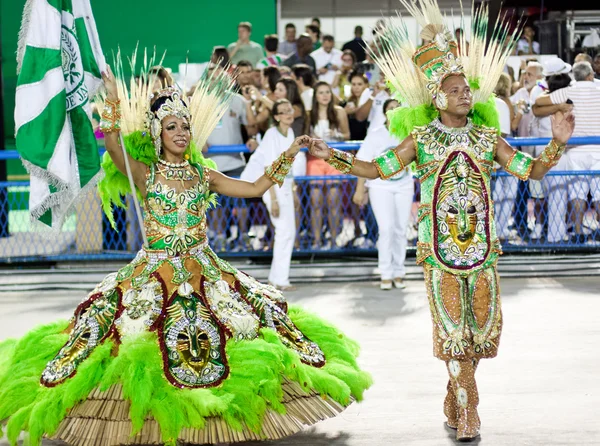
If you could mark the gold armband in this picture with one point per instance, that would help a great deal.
(110, 119)
(551, 154)
(340, 160)
(519, 165)
(279, 169)
(388, 164)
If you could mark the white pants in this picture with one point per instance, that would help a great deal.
(584, 158)
(391, 207)
(285, 233)
(554, 188)
(505, 193)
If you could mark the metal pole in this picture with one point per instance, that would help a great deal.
(4, 208)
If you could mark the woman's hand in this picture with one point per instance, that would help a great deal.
(563, 125)
(350, 108)
(299, 142)
(274, 209)
(319, 149)
(110, 83)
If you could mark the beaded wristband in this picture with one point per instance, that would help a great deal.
(389, 164)
(110, 119)
(551, 154)
(340, 160)
(519, 165)
(279, 169)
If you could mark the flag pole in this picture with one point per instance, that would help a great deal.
(136, 203)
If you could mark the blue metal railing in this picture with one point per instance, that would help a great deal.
(242, 227)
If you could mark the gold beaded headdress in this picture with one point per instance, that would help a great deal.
(172, 106)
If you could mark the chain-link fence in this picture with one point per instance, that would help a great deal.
(558, 213)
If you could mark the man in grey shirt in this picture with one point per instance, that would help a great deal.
(288, 46)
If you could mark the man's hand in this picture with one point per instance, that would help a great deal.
(319, 149)
(563, 125)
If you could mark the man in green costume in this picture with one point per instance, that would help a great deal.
(454, 159)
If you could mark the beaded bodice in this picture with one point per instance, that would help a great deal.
(175, 217)
(456, 224)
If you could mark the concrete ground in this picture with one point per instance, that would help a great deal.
(542, 389)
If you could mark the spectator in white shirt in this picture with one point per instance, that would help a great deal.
(585, 96)
(328, 59)
(391, 200)
(279, 200)
(550, 194)
(526, 44)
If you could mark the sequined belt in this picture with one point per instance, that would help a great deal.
(161, 254)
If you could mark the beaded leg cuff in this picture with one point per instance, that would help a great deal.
(388, 164)
(551, 154)
(279, 169)
(110, 119)
(520, 165)
(342, 161)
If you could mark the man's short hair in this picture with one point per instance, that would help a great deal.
(246, 25)
(328, 37)
(582, 70)
(304, 72)
(586, 57)
(358, 29)
(290, 25)
(271, 42)
(314, 29)
(316, 19)
(244, 63)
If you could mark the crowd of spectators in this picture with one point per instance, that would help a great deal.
(337, 93)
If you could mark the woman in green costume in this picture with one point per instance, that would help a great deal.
(178, 345)
(450, 130)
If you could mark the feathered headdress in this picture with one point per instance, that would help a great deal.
(416, 74)
(208, 103)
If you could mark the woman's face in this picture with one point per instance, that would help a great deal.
(176, 135)
(347, 61)
(323, 94)
(358, 85)
(280, 91)
(391, 105)
(285, 114)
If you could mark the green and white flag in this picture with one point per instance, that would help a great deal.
(59, 64)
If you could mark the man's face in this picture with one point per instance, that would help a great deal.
(327, 45)
(244, 76)
(530, 77)
(528, 32)
(596, 64)
(290, 34)
(243, 33)
(458, 92)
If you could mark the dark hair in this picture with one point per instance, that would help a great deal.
(293, 95)
(358, 73)
(314, 29)
(290, 25)
(276, 104)
(220, 55)
(328, 37)
(558, 81)
(304, 72)
(271, 42)
(316, 19)
(388, 102)
(245, 63)
(273, 75)
(331, 114)
(358, 29)
(246, 25)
